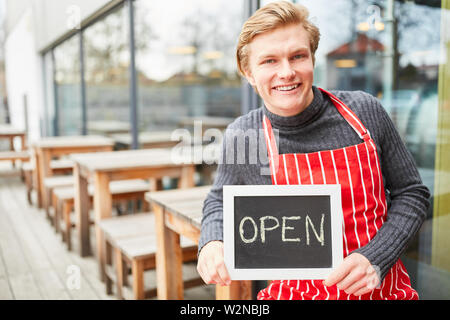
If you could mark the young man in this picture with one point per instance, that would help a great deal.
(344, 138)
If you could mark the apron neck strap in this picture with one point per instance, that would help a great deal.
(349, 116)
(270, 139)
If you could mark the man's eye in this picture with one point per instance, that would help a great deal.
(269, 61)
(298, 56)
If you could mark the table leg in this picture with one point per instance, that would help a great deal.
(102, 210)
(23, 143)
(169, 277)
(38, 177)
(67, 209)
(238, 290)
(108, 262)
(57, 212)
(11, 147)
(187, 177)
(120, 272)
(137, 269)
(82, 212)
(44, 171)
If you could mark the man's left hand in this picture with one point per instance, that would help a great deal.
(355, 275)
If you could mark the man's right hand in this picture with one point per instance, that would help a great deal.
(211, 265)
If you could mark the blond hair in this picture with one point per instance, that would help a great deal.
(268, 18)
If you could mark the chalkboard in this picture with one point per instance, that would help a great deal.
(282, 232)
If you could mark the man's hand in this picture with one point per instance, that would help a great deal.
(211, 265)
(355, 276)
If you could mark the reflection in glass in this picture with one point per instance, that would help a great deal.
(67, 86)
(107, 57)
(186, 61)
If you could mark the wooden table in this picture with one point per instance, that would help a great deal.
(104, 167)
(108, 127)
(54, 147)
(179, 212)
(147, 140)
(9, 132)
(206, 122)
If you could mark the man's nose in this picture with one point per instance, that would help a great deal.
(286, 71)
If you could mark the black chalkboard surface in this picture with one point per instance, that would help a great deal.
(282, 232)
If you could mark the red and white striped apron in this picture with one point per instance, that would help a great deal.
(357, 169)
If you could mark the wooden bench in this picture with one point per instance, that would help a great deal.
(50, 184)
(64, 201)
(59, 167)
(15, 155)
(131, 240)
(10, 133)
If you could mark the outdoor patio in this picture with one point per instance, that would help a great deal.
(34, 262)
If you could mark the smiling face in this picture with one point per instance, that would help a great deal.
(281, 69)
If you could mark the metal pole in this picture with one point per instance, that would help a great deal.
(388, 76)
(133, 82)
(83, 87)
(44, 119)
(250, 100)
(55, 97)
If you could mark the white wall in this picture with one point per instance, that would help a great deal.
(31, 26)
(23, 75)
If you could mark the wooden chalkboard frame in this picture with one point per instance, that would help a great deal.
(230, 192)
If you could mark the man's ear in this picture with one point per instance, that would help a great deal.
(249, 77)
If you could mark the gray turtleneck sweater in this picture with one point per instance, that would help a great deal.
(321, 127)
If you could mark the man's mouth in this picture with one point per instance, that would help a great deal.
(287, 87)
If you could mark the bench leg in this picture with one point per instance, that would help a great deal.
(120, 274)
(137, 270)
(29, 197)
(145, 206)
(11, 147)
(29, 184)
(47, 197)
(107, 261)
(58, 207)
(67, 209)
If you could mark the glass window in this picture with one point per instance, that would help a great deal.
(185, 56)
(413, 106)
(392, 49)
(107, 58)
(67, 87)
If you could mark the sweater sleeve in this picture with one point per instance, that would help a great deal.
(407, 194)
(227, 174)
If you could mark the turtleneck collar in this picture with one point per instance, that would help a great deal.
(303, 118)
